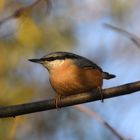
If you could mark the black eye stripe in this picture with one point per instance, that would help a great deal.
(51, 58)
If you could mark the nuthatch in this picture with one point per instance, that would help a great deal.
(72, 74)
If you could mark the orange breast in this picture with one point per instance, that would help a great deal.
(69, 79)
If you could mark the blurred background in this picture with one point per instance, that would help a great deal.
(75, 26)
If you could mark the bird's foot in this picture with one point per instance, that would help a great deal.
(99, 90)
(57, 101)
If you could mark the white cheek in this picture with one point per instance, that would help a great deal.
(56, 63)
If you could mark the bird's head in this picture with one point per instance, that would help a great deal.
(55, 59)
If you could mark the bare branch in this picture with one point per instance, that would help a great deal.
(16, 110)
(132, 37)
(29, 8)
(25, 10)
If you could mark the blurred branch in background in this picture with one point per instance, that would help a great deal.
(99, 119)
(132, 37)
(22, 11)
(29, 8)
(15, 110)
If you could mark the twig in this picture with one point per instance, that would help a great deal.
(16, 110)
(29, 8)
(24, 9)
(132, 37)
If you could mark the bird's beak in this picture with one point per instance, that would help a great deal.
(36, 60)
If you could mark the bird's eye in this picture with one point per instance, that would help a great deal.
(49, 59)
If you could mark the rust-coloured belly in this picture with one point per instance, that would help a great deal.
(74, 81)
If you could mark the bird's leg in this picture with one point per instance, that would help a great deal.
(57, 100)
(99, 90)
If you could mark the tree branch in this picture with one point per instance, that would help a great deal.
(132, 37)
(16, 110)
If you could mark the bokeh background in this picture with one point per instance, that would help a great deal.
(75, 26)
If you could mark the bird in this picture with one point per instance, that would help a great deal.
(71, 74)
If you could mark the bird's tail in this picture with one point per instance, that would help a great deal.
(108, 76)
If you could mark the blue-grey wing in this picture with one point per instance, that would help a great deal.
(85, 63)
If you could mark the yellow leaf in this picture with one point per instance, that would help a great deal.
(2, 3)
(28, 33)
